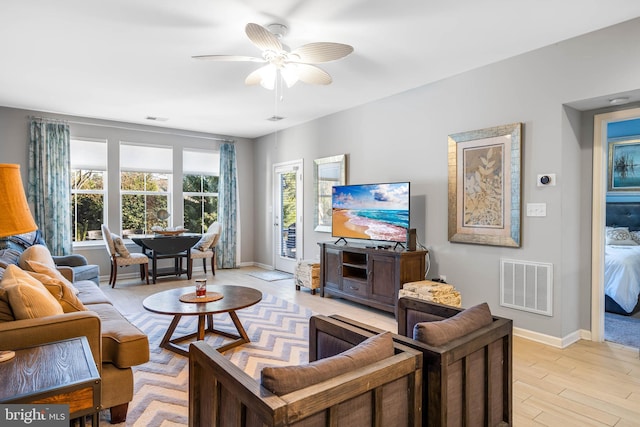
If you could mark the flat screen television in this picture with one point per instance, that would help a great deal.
(371, 211)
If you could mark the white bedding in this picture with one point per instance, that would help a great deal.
(622, 275)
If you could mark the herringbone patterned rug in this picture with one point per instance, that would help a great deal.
(278, 330)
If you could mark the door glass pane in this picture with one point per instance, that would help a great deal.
(288, 214)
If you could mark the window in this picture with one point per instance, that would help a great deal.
(145, 186)
(88, 188)
(201, 170)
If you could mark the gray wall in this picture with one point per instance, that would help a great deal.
(14, 137)
(404, 137)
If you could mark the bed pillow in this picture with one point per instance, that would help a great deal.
(620, 236)
(287, 379)
(442, 331)
(635, 236)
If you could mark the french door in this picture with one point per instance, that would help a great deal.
(287, 214)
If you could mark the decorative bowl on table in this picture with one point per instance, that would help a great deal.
(169, 232)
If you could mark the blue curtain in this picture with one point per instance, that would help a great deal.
(227, 207)
(49, 188)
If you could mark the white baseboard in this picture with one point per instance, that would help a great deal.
(564, 342)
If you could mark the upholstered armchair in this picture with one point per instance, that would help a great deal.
(120, 256)
(205, 249)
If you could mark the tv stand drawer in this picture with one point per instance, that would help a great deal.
(354, 287)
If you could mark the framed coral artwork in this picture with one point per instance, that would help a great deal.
(484, 186)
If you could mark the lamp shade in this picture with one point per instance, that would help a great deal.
(15, 216)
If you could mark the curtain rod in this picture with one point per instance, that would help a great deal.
(165, 132)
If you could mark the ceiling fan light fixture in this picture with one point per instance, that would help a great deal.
(268, 75)
(289, 74)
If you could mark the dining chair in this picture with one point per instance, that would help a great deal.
(205, 249)
(120, 256)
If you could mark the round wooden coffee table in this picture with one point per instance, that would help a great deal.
(233, 298)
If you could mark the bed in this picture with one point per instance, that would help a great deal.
(622, 259)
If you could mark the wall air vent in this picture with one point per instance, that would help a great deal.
(275, 118)
(526, 286)
(156, 119)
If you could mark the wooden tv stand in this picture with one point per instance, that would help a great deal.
(368, 276)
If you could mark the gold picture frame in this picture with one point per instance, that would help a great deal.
(485, 186)
(327, 172)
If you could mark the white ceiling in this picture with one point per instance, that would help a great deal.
(128, 59)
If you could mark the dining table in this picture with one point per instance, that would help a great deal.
(176, 247)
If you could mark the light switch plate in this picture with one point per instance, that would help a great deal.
(536, 209)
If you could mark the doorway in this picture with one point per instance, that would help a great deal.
(287, 214)
(600, 169)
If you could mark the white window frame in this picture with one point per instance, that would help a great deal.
(104, 192)
(147, 170)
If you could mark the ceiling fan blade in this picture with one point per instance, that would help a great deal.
(314, 53)
(313, 75)
(262, 37)
(231, 58)
(256, 76)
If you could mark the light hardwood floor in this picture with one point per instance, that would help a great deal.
(586, 384)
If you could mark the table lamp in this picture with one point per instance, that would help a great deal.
(15, 216)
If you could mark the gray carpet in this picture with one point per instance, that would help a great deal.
(623, 330)
(271, 275)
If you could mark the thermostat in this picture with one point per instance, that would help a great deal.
(546, 180)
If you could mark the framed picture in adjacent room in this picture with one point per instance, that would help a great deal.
(485, 186)
(327, 172)
(624, 158)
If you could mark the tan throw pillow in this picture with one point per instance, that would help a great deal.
(28, 298)
(286, 379)
(37, 253)
(463, 323)
(41, 268)
(64, 292)
(205, 241)
(119, 246)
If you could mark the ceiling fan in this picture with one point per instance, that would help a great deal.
(294, 65)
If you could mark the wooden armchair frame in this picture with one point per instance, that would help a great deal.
(221, 394)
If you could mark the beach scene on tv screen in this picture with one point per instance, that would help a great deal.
(371, 211)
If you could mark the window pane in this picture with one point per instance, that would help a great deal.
(154, 204)
(86, 180)
(193, 213)
(133, 212)
(132, 181)
(87, 212)
(192, 184)
(210, 210)
(210, 184)
(158, 182)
